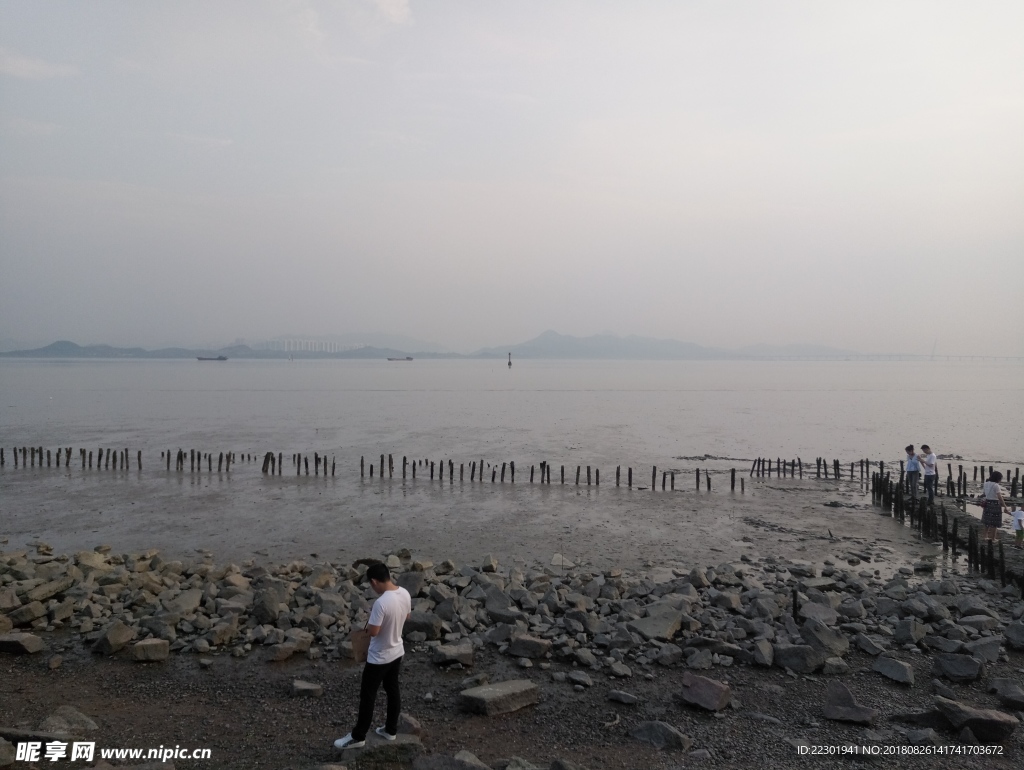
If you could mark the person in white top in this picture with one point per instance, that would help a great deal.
(383, 659)
(994, 505)
(931, 471)
(1018, 527)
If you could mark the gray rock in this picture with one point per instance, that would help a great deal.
(526, 646)
(187, 602)
(518, 763)
(942, 644)
(7, 753)
(621, 696)
(661, 735)
(27, 613)
(842, 706)
(424, 622)
(1008, 691)
(412, 582)
(868, 645)
(662, 623)
(1014, 635)
(988, 725)
(68, 719)
(985, 649)
(585, 657)
(894, 669)
(306, 689)
(151, 650)
(835, 666)
(819, 612)
(801, 658)
(112, 638)
(447, 654)
(620, 670)
(43, 592)
(464, 760)
(699, 659)
(957, 668)
(925, 737)
(20, 643)
(704, 693)
(580, 678)
(826, 639)
(980, 622)
(763, 654)
(909, 631)
(500, 697)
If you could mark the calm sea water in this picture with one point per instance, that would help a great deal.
(590, 412)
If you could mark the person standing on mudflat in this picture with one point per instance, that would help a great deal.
(995, 504)
(931, 471)
(913, 471)
(383, 659)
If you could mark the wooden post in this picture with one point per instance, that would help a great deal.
(654, 477)
(664, 477)
(431, 470)
(800, 464)
(451, 471)
(362, 466)
(743, 486)
(414, 464)
(305, 461)
(563, 474)
(405, 464)
(588, 475)
(332, 466)
(672, 481)
(462, 472)
(707, 478)
(472, 471)
(512, 471)
(531, 474)
(956, 523)
(503, 472)
(618, 473)
(753, 467)
(597, 477)
(371, 469)
(732, 480)
(391, 466)
(698, 479)
(577, 475)
(630, 473)
(494, 473)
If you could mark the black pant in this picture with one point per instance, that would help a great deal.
(929, 486)
(373, 676)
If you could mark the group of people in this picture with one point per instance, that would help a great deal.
(993, 500)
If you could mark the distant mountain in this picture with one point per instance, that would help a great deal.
(797, 351)
(65, 349)
(551, 344)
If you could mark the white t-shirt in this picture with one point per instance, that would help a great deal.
(1018, 519)
(991, 490)
(389, 612)
(929, 464)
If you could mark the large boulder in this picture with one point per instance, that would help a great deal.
(20, 644)
(1008, 691)
(801, 658)
(526, 646)
(842, 706)
(425, 622)
(894, 669)
(1014, 635)
(500, 697)
(449, 654)
(817, 634)
(988, 725)
(957, 668)
(150, 650)
(662, 622)
(113, 637)
(704, 693)
(661, 735)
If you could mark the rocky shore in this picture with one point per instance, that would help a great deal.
(744, 663)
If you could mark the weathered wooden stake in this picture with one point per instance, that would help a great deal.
(732, 480)
(362, 466)
(654, 477)
(597, 477)
(618, 473)
(707, 478)
(630, 477)
(577, 475)
(588, 475)
(503, 472)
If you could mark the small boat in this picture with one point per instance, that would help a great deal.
(407, 358)
(218, 358)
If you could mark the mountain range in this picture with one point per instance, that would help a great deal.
(550, 344)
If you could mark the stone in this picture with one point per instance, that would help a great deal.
(526, 646)
(20, 643)
(835, 666)
(925, 737)
(7, 753)
(988, 725)
(957, 668)
(868, 645)
(763, 653)
(985, 649)
(662, 623)
(1014, 635)
(151, 650)
(585, 657)
(826, 639)
(909, 631)
(425, 622)
(518, 763)
(187, 602)
(27, 613)
(699, 578)
(379, 753)
(5, 624)
(894, 669)
(1008, 692)
(500, 697)
(801, 658)
(464, 760)
(699, 659)
(68, 719)
(620, 670)
(704, 693)
(448, 654)
(113, 638)
(580, 678)
(820, 612)
(304, 689)
(621, 696)
(661, 735)
(412, 582)
(842, 706)
(979, 622)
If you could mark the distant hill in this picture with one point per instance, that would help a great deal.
(551, 344)
(795, 351)
(65, 349)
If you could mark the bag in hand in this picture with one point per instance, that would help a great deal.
(360, 639)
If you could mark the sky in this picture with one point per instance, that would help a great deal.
(475, 173)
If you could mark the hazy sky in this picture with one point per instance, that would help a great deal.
(474, 173)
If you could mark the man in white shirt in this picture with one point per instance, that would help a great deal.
(384, 658)
(913, 471)
(931, 471)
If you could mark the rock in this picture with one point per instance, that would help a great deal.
(112, 638)
(699, 659)
(835, 666)
(801, 658)
(620, 670)
(988, 725)
(278, 652)
(1009, 692)
(151, 650)
(661, 735)
(984, 649)
(699, 578)
(5, 624)
(306, 689)
(464, 760)
(826, 639)
(43, 592)
(909, 631)
(20, 643)
(54, 662)
(621, 696)
(704, 693)
(187, 602)
(425, 622)
(563, 764)
(518, 763)
(500, 697)
(580, 678)
(868, 645)
(585, 657)
(1014, 635)
(926, 737)
(957, 668)
(842, 706)
(979, 622)
(447, 654)
(894, 669)
(526, 646)
(377, 753)
(661, 624)
(68, 719)
(412, 582)
(7, 753)
(27, 613)
(764, 653)
(820, 612)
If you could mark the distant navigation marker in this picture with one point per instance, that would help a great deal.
(509, 360)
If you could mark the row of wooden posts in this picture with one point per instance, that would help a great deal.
(933, 522)
(105, 457)
(508, 469)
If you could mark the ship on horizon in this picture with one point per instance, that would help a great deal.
(211, 358)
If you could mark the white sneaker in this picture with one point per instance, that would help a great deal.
(383, 733)
(348, 742)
